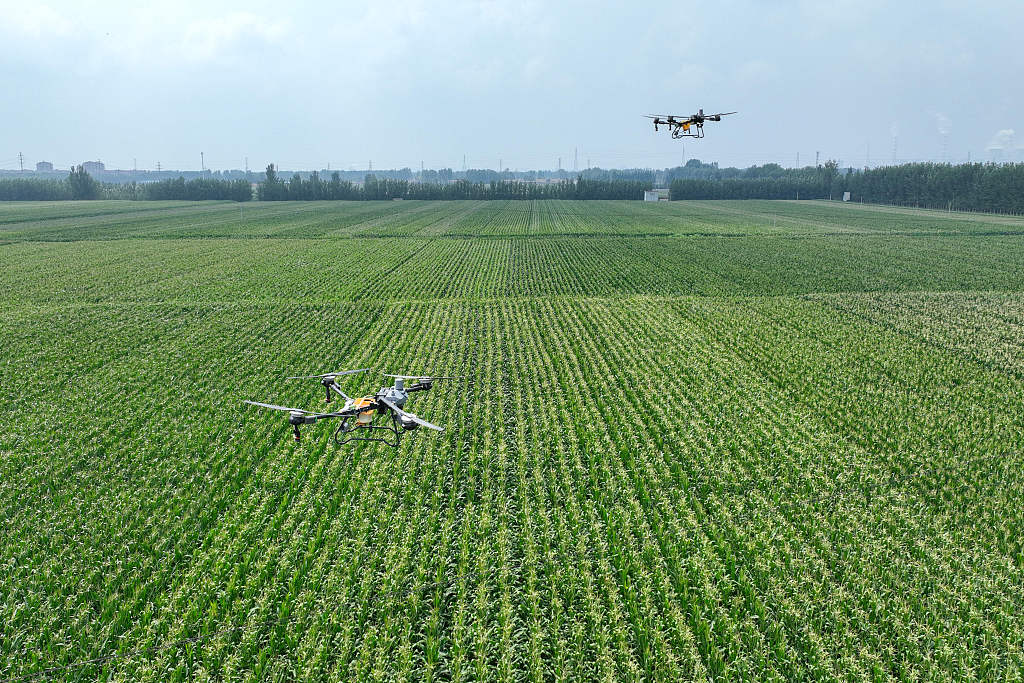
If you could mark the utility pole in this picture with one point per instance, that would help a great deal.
(247, 166)
(135, 165)
(158, 167)
(817, 155)
(559, 163)
(371, 165)
(21, 161)
(798, 159)
(463, 163)
(499, 166)
(202, 162)
(575, 159)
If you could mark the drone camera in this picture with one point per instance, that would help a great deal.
(407, 422)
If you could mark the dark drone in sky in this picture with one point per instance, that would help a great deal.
(691, 126)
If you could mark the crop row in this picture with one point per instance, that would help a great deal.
(429, 269)
(641, 489)
(72, 221)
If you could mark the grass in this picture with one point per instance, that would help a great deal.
(731, 440)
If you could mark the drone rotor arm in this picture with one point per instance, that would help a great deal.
(334, 386)
(401, 413)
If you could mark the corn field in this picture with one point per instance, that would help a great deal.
(696, 441)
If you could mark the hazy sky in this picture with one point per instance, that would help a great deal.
(308, 84)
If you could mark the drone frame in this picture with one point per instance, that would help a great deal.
(396, 420)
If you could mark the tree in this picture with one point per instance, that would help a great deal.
(82, 184)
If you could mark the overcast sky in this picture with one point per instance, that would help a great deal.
(306, 84)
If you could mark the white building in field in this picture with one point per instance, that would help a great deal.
(651, 195)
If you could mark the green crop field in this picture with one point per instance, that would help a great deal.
(697, 440)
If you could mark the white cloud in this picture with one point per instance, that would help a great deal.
(224, 36)
(32, 21)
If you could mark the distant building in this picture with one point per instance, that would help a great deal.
(94, 166)
(651, 195)
(42, 166)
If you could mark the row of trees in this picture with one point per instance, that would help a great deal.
(238, 190)
(80, 185)
(374, 188)
(972, 187)
(770, 181)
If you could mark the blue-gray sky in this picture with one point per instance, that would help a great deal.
(307, 84)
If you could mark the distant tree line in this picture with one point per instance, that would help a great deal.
(971, 187)
(373, 188)
(238, 190)
(770, 181)
(80, 185)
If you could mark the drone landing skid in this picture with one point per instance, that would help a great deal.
(392, 437)
(678, 134)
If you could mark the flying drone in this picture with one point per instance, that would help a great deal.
(375, 417)
(681, 125)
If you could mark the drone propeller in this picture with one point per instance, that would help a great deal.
(299, 411)
(414, 418)
(273, 407)
(332, 375)
(425, 378)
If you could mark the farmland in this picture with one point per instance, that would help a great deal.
(747, 440)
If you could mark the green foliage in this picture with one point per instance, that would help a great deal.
(965, 187)
(378, 189)
(697, 441)
(33, 189)
(972, 187)
(198, 189)
(82, 184)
